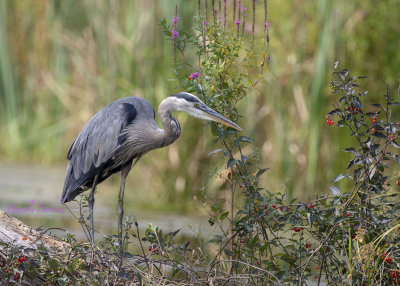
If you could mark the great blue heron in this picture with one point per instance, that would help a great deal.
(121, 132)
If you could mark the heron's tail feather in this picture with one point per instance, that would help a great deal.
(70, 189)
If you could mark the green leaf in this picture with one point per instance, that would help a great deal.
(351, 163)
(223, 216)
(245, 139)
(340, 123)
(231, 162)
(34, 272)
(215, 152)
(339, 219)
(53, 263)
(227, 251)
(62, 280)
(333, 112)
(352, 150)
(261, 171)
(335, 190)
(376, 105)
(236, 142)
(173, 234)
(394, 144)
(215, 207)
(43, 249)
(379, 134)
(338, 178)
(74, 263)
(214, 130)
(396, 157)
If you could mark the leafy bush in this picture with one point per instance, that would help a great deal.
(336, 238)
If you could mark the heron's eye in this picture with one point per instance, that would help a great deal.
(196, 105)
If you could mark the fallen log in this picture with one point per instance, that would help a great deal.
(16, 233)
(18, 243)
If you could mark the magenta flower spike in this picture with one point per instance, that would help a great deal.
(175, 20)
(194, 75)
(174, 34)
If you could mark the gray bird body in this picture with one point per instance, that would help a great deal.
(122, 131)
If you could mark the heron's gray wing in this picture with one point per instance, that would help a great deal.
(99, 138)
(96, 144)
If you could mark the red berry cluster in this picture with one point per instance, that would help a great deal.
(355, 109)
(16, 276)
(330, 122)
(386, 258)
(395, 276)
(310, 206)
(297, 229)
(374, 119)
(398, 182)
(21, 259)
(153, 249)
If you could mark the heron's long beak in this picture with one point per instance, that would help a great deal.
(215, 116)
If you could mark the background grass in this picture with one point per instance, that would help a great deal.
(62, 61)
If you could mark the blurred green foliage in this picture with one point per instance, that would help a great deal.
(61, 61)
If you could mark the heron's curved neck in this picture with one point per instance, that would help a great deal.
(172, 129)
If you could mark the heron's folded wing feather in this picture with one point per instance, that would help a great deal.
(99, 138)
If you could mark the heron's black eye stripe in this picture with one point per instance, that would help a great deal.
(186, 96)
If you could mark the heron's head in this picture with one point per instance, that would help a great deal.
(192, 105)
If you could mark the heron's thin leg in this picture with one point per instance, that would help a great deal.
(91, 204)
(120, 209)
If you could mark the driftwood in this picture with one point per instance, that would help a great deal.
(16, 233)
